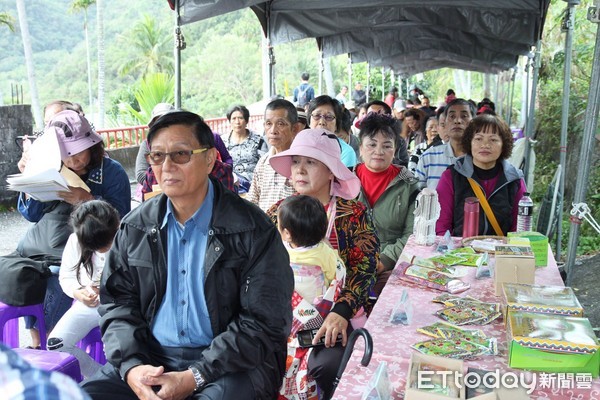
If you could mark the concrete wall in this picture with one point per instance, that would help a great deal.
(14, 121)
(126, 157)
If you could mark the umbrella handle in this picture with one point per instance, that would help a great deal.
(366, 358)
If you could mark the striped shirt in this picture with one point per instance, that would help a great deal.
(433, 163)
(268, 187)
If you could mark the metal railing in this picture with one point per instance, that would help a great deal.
(117, 138)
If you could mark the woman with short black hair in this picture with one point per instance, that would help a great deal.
(245, 146)
(488, 143)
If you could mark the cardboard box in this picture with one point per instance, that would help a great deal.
(444, 364)
(537, 242)
(514, 264)
(541, 299)
(552, 343)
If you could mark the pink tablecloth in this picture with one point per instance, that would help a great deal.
(391, 342)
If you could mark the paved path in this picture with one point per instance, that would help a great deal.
(12, 228)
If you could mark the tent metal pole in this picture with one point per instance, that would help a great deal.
(567, 27)
(527, 93)
(511, 94)
(272, 62)
(271, 72)
(382, 83)
(587, 145)
(350, 73)
(495, 96)
(321, 67)
(507, 93)
(177, 55)
(368, 82)
(499, 96)
(537, 63)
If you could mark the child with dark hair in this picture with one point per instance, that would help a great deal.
(318, 278)
(94, 224)
(303, 224)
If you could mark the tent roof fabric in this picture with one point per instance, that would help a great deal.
(406, 36)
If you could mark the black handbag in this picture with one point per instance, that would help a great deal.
(50, 234)
(23, 279)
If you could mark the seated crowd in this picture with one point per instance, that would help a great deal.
(201, 292)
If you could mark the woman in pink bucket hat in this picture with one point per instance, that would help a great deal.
(81, 151)
(314, 166)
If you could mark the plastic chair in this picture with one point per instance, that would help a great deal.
(9, 323)
(52, 361)
(92, 344)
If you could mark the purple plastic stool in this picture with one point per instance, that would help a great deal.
(92, 344)
(9, 323)
(52, 361)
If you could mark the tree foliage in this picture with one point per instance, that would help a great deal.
(549, 113)
(7, 20)
(149, 49)
(81, 5)
(153, 89)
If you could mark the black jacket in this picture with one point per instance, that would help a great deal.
(248, 286)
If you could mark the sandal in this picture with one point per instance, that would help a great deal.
(34, 348)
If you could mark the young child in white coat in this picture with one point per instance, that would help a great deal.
(95, 224)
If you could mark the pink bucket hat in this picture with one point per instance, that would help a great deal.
(74, 133)
(321, 145)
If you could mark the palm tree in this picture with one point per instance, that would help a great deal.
(35, 103)
(153, 89)
(152, 52)
(8, 20)
(83, 5)
(101, 72)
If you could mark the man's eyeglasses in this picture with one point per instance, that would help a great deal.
(327, 117)
(178, 157)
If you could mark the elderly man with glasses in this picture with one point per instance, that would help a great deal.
(195, 294)
(281, 126)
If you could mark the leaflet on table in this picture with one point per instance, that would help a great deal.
(467, 310)
(449, 261)
(429, 278)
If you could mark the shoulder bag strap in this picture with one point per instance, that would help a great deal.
(486, 206)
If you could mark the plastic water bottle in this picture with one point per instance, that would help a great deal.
(471, 217)
(524, 219)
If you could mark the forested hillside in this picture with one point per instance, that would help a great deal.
(220, 66)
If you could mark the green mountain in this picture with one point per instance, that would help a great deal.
(221, 65)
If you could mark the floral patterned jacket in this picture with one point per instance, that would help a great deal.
(358, 247)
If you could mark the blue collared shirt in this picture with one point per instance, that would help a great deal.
(182, 319)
